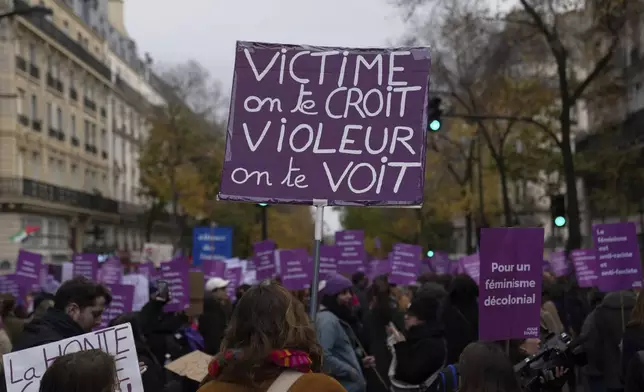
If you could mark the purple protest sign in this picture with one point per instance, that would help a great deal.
(122, 302)
(295, 269)
(559, 263)
(329, 259)
(471, 265)
(440, 263)
(264, 260)
(352, 254)
(86, 265)
(405, 263)
(9, 285)
(618, 256)
(234, 276)
(510, 283)
(176, 274)
(111, 271)
(28, 268)
(294, 136)
(213, 268)
(585, 263)
(378, 268)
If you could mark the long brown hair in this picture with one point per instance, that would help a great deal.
(266, 318)
(637, 314)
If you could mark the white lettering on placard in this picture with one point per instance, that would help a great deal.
(24, 369)
(364, 86)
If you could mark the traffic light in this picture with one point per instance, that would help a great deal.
(434, 114)
(262, 204)
(558, 210)
(430, 253)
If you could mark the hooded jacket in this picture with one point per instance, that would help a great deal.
(605, 329)
(632, 342)
(55, 325)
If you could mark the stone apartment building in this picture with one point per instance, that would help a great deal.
(73, 102)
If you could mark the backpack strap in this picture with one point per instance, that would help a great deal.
(285, 381)
(454, 376)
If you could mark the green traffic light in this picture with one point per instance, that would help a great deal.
(560, 221)
(430, 253)
(262, 204)
(435, 125)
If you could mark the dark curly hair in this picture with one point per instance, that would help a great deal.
(266, 318)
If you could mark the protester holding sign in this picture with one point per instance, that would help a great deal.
(78, 306)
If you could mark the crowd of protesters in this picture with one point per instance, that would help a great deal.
(367, 336)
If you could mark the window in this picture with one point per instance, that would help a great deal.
(18, 47)
(93, 135)
(59, 119)
(32, 54)
(35, 165)
(53, 174)
(104, 140)
(50, 115)
(20, 102)
(20, 163)
(87, 141)
(72, 80)
(66, 26)
(72, 125)
(37, 240)
(89, 92)
(123, 149)
(34, 107)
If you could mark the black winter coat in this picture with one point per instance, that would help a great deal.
(55, 325)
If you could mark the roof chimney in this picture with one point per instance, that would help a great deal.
(115, 15)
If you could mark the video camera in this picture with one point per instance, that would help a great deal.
(558, 351)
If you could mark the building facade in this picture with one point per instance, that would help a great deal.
(72, 115)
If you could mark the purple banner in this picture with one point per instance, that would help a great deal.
(352, 254)
(147, 269)
(329, 259)
(213, 269)
(510, 283)
(405, 263)
(264, 260)
(28, 270)
(86, 265)
(234, 276)
(378, 268)
(440, 263)
(296, 130)
(295, 269)
(176, 274)
(471, 265)
(9, 285)
(585, 262)
(559, 263)
(618, 256)
(111, 271)
(122, 301)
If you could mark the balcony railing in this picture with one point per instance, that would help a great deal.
(104, 154)
(36, 125)
(75, 141)
(89, 104)
(59, 86)
(61, 136)
(91, 149)
(53, 133)
(49, 29)
(103, 113)
(56, 194)
(24, 120)
(73, 94)
(21, 63)
(34, 71)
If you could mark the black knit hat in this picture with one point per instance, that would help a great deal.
(427, 303)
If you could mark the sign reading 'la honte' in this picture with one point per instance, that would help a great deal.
(317, 123)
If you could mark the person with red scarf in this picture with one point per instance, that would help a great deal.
(270, 345)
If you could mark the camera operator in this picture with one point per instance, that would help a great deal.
(552, 379)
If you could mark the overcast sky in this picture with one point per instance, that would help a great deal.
(206, 30)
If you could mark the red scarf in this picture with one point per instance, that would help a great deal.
(289, 359)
